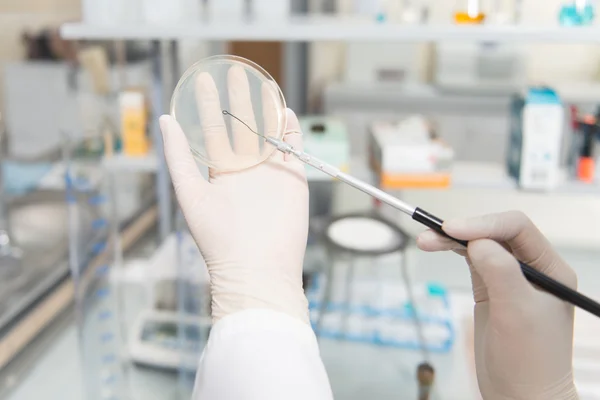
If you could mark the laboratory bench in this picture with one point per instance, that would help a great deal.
(356, 371)
(34, 372)
(36, 288)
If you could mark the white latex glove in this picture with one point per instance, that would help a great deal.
(251, 226)
(523, 336)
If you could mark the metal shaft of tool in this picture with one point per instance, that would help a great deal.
(337, 174)
(330, 170)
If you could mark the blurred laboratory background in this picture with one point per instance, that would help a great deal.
(463, 107)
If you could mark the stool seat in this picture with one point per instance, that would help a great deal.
(364, 234)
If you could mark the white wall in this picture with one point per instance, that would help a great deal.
(19, 15)
(546, 63)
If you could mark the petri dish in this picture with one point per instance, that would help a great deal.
(223, 104)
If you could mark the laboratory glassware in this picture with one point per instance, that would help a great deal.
(92, 258)
(219, 83)
(10, 254)
(227, 91)
(193, 306)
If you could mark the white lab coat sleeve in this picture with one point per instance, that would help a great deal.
(261, 355)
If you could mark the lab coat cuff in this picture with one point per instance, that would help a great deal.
(261, 320)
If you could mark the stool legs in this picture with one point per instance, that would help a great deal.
(348, 293)
(411, 298)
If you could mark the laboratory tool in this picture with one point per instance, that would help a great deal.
(228, 102)
(534, 276)
(97, 301)
(167, 339)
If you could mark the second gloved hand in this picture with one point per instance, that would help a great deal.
(523, 336)
(251, 226)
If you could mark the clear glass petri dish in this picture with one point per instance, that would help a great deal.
(223, 104)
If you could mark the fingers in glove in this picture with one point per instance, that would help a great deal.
(480, 293)
(244, 140)
(293, 135)
(216, 139)
(188, 182)
(271, 121)
(499, 271)
(526, 242)
(431, 241)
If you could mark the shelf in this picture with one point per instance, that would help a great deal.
(125, 163)
(484, 176)
(320, 28)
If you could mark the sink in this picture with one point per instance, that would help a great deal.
(39, 228)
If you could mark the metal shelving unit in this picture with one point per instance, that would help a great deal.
(321, 28)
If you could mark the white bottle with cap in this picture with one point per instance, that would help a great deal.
(157, 12)
(227, 10)
(110, 12)
(270, 11)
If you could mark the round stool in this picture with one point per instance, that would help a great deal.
(357, 246)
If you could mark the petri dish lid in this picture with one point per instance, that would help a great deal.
(365, 234)
(223, 104)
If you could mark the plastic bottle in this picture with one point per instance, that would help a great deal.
(468, 12)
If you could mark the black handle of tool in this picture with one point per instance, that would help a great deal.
(534, 276)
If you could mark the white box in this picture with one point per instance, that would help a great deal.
(536, 139)
(404, 155)
(480, 67)
(386, 62)
(273, 12)
(227, 10)
(158, 12)
(110, 12)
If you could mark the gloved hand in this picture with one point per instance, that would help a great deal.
(251, 226)
(523, 336)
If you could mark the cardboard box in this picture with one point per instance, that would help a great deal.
(407, 155)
